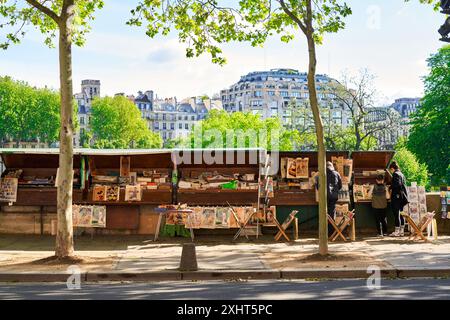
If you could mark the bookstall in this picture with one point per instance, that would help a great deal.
(129, 183)
(218, 177)
(28, 195)
(294, 184)
(30, 176)
(366, 166)
(222, 188)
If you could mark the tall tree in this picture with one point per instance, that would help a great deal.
(429, 137)
(116, 123)
(242, 130)
(357, 96)
(204, 25)
(68, 20)
(27, 113)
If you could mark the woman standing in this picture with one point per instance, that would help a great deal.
(399, 198)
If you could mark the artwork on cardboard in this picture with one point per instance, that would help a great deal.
(233, 221)
(125, 166)
(85, 216)
(347, 171)
(112, 193)
(302, 168)
(133, 193)
(99, 217)
(8, 189)
(99, 193)
(209, 218)
(291, 169)
(223, 217)
(195, 219)
(283, 168)
(75, 215)
(270, 215)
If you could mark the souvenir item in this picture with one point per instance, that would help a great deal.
(99, 216)
(8, 189)
(125, 166)
(133, 193)
(291, 169)
(112, 193)
(99, 193)
(302, 168)
(85, 217)
(209, 218)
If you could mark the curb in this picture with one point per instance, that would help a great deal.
(415, 272)
(141, 276)
(361, 273)
(231, 275)
(37, 277)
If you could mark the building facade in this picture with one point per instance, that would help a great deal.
(173, 119)
(273, 93)
(90, 89)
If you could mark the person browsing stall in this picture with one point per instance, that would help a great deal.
(380, 194)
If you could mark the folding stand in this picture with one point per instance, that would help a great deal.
(418, 229)
(164, 211)
(282, 228)
(343, 224)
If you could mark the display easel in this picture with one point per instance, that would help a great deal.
(164, 212)
(418, 229)
(347, 221)
(242, 226)
(282, 228)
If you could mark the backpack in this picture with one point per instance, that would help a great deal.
(379, 200)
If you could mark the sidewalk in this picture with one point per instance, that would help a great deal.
(139, 258)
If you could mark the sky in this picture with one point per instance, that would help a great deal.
(390, 38)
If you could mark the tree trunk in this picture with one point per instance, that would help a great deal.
(64, 236)
(323, 222)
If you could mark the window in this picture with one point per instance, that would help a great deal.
(164, 126)
(284, 94)
(81, 120)
(295, 94)
(157, 125)
(186, 126)
(193, 117)
(180, 126)
(271, 93)
(258, 94)
(172, 126)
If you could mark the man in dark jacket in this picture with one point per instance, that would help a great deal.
(334, 185)
(399, 198)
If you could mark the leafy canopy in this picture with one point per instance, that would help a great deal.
(429, 136)
(205, 25)
(27, 113)
(16, 16)
(117, 124)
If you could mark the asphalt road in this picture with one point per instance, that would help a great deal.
(283, 290)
